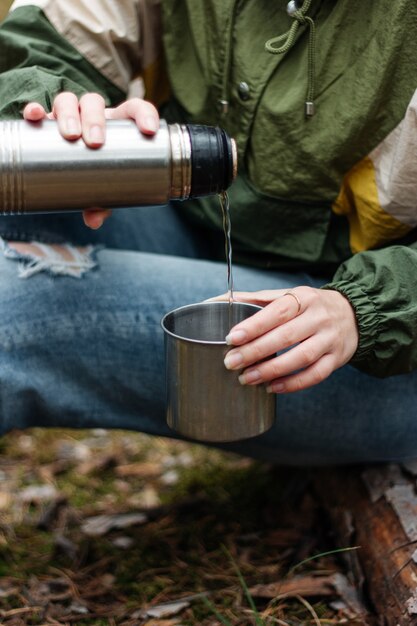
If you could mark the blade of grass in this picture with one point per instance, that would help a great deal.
(215, 612)
(317, 556)
(258, 620)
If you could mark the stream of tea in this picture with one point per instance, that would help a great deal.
(227, 228)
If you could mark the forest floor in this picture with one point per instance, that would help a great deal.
(116, 528)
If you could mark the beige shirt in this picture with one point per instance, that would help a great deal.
(122, 39)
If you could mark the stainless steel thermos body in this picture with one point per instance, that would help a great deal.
(41, 172)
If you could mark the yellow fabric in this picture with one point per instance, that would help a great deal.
(370, 225)
(4, 7)
(156, 83)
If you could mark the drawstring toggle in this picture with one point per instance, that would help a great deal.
(282, 43)
(224, 106)
(310, 109)
(292, 7)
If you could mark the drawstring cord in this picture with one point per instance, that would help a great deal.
(300, 17)
(224, 99)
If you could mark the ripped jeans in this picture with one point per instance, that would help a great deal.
(88, 351)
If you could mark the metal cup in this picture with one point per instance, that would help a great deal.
(205, 401)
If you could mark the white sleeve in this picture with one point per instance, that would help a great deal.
(120, 38)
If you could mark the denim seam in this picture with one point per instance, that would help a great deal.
(26, 237)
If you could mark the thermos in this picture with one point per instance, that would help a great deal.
(41, 172)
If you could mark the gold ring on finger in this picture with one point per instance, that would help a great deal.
(294, 295)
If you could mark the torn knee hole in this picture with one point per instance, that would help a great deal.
(57, 259)
(43, 251)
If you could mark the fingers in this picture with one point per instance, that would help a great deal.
(309, 377)
(94, 218)
(142, 112)
(66, 111)
(84, 118)
(303, 366)
(314, 330)
(261, 298)
(300, 357)
(34, 112)
(278, 339)
(93, 119)
(278, 312)
(75, 118)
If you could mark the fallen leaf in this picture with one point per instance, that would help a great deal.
(73, 451)
(38, 493)
(348, 593)
(101, 524)
(162, 622)
(167, 609)
(298, 586)
(139, 470)
(78, 608)
(5, 500)
(96, 465)
(7, 591)
(170, 478)
(334, 584)
(124, 543)
(184, 459)
(147, 498)
(48, 472)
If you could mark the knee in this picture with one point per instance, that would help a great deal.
(57, 259)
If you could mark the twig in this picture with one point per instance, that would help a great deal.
(310, 609)
(22, 611)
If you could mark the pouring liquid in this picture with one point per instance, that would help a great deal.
(227, 228)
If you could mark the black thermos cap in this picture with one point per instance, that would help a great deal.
(211, 160)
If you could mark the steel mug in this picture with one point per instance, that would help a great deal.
(205, 401)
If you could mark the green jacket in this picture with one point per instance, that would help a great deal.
(334, 194)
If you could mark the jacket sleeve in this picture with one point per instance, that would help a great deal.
(36, 63)
(381, 285)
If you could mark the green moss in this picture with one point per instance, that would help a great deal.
(217, 502)
(27, 552)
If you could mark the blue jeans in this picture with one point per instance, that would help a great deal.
(88, 352)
